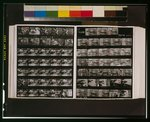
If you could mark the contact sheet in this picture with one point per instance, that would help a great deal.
(104, 62)
(75, 62)
(45, 61)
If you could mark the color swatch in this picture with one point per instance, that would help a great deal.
(32, 12)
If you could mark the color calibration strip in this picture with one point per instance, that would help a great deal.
(48, 11)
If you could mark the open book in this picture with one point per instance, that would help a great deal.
(76, 62)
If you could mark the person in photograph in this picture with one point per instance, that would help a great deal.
(128, 41)
(22, 93)
(114, 31)
(125, 93)
(101, 41)
(101, 31)
(127, 72)
(125, 51)
(22, 62)
(44, 62)
(55, 62)
(83, 42)
(105, 72)
(34, 41)
(115, 51)
(63, 93)
(44, 31)
(126, 83)
(55, 72)
(104, 62)
(34, 31)
(32, 51)
(115, 82)
(82, 72)
(22, 82)
(33, 62)
(51, 52)
(41, 82)
(58, 52)
(23, 30)
(66, 72)
(65, 82)
(90, 31)
(32, 93)
(92, 82)
(81, 93)
(23, 41)
(61, 31)
(106, 42)
(57, 93)
(92, 93)
(66, 52)
(69, 32)
(32, 82)
(116, 42)
(55, 42)
(62, 42)
(104, 52)
(54, 31)
(66, 62)
(50, 93)
(93, 72)
(125, 62)
(93, 52)
(115, 62)
(116, 72)
(21, 72)
(45, 41)
(82, 62)
(90, 62)
(54, 82)
(82, 52)
(66, 93)
(20, 51)
(109, 31)
(68, 42)
(114, 93)
(105, 93)
(41, 92)
(95, 62)
(82, 83)
(102, 83)
(41, 51)
(93, 42)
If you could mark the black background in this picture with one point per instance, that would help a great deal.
(32, 107)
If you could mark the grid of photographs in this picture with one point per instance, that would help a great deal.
(45, 61)
(104, 62)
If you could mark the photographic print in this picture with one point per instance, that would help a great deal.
(82, 83)
(103, 62)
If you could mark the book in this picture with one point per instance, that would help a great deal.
(89, 62)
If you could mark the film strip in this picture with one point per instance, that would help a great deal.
(104, 62)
